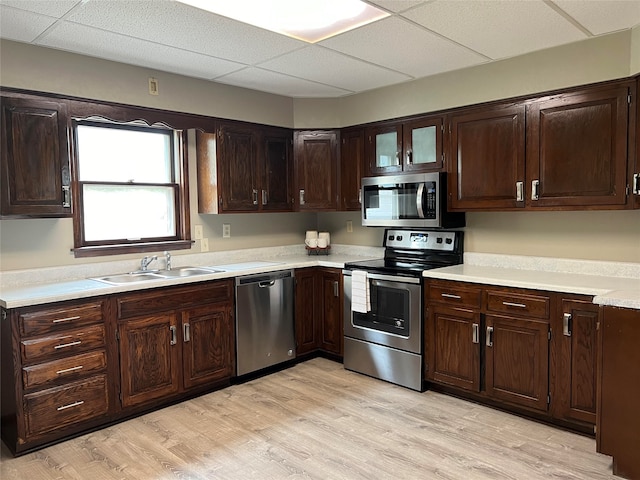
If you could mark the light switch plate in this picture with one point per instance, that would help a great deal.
(349, 226)
(198, 232)
(204, 245)
(226, 230)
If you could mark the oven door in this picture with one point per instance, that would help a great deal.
(395, 319)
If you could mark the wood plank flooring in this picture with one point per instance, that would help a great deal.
(318, 421)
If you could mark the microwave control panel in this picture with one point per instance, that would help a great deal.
(421, 240)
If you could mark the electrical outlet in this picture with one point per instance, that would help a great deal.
(226, 230)
(349, 226)
(204, 245)
(198, 232)
(153, 86)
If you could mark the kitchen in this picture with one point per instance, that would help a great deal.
(39, 243)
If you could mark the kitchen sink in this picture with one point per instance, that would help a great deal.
(128, 278)
(187, 272)
(140, 277)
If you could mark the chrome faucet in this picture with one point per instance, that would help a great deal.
(167, 257)
(144, 263)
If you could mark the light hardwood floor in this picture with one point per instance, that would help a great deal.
(318, 421)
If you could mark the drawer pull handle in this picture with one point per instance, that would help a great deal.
(450, 295)
(186, 336)
(67, 319)
(174, 337)
(71, 405)
(476, 333)
(65, 345)
(67, 370)
(511, 304)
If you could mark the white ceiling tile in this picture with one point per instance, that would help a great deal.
(402, 46)
(497, 28)
(21, 25)
(603, 16)
(258, 79)
(112, 46)
(396, 5)
(52, 8)
(185, 27)
(322, 65)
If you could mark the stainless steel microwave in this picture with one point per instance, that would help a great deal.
(415, 200)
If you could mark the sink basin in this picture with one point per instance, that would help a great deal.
(187, 272)
(139, 277)
(127, 278)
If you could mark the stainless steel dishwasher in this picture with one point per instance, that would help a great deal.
(264, 320)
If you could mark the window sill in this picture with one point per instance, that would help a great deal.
(103, 250)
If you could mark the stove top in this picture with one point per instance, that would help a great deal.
(410, 252)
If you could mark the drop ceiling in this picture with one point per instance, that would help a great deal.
(419, 39)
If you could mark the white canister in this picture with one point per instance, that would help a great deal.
(311, 234)
(326, 236)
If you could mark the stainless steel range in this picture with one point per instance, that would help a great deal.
(383, 314)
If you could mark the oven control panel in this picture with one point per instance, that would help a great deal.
(421, 240)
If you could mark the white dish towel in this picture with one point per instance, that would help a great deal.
(360, 294)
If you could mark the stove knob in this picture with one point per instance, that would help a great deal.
(399, 237)
(449, 241)
(391, 237)
(398, 323)
(439, 240)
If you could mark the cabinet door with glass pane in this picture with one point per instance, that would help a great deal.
(383, 149)
(422, 145)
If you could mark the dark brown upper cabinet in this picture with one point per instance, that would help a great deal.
(634, 149)
(409, 146)
(316, 164)
(351, 168)
(35, 177)
(577, 148)
(244, 168)
(487, 159)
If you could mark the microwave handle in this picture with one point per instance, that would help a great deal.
(419, 202)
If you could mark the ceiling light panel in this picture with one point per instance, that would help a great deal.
(308, 20)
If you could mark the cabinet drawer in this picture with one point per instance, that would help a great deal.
(454, 295)
(530, 305)
(64, 370)
(55, 319)
(168, 299)
(67, 343)
(59, 407)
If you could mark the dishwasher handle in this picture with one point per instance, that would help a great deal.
(264, 279)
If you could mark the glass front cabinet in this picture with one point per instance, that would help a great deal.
(412, 146)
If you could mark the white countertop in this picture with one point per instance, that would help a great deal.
(611, 283)
(555, 275)
(27, 288)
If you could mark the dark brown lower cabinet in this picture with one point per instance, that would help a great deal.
(575, 356)
(318, 311)
(454, 356)
(517, 360)
(618, 419)
(58, 371)
(173, 340)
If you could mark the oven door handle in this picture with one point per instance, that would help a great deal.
(419, 201)
(391, 278)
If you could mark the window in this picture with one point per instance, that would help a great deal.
(129, 195)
